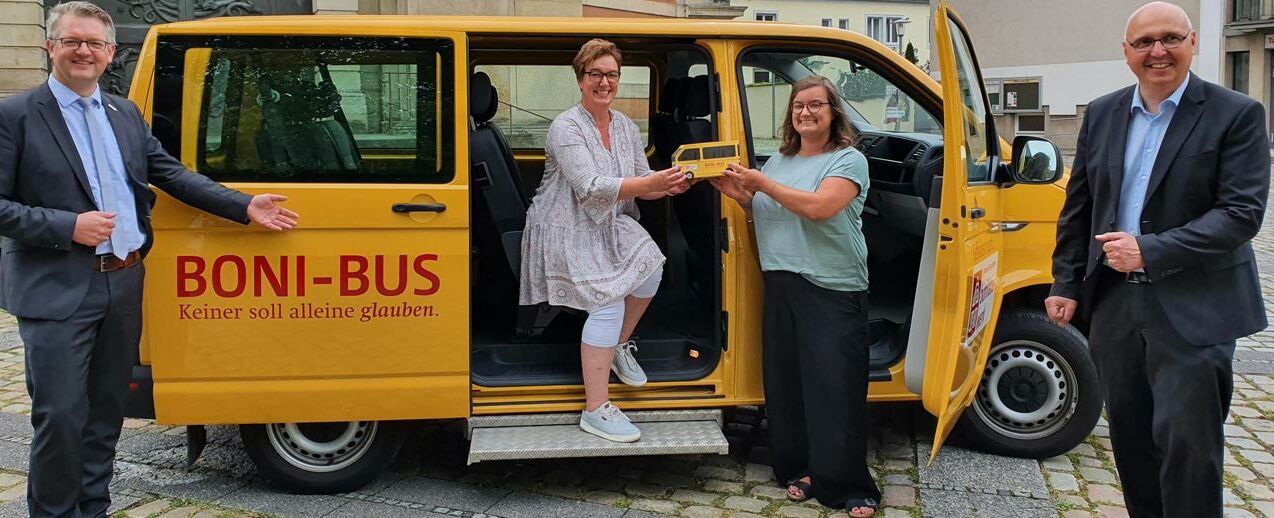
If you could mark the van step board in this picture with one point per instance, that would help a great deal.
(567, 440)
(637, 416)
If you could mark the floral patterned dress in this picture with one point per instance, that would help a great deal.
(582, 246)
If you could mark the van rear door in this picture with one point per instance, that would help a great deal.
(360, 313)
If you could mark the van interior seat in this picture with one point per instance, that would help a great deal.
(663, 126)
(693, 125)
(495, 175)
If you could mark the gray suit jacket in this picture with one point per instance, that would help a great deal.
(1205, 203)
(43, 187)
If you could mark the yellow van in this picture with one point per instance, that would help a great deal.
(412, 146)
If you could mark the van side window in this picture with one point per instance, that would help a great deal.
(355, 110)
(531, 96)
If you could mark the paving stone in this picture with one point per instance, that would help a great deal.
(796, 511)
(961, 504)
(147, 509)
(646, 490)
(754, 472)
(1256, 456)
(657, 506)
(1234, 512)
(1229, 497)
(718, 473)
(1059, 463)
(1063, 481)
(1097, 475)
(694, 497)
(1246, 444)
(768, 491)
(1104, 494)
(1241, 473)
(1108, 511)
(1090, 462)
(721, 486)
(1265, 508)
(1076, 514)
(443, 493)
(743, 503)
(603, 497)
(892, 512)
(524, 505)
(674, 480)
(1256, 491)
(1243, 411)
(1075, 500)
(14, 493)
(1266, 470)
(898, 496)
(961, 468)
(700, 511)
(1084, 449)
(742, 514)
(897, 479)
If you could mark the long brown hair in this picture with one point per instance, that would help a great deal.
(843, 133)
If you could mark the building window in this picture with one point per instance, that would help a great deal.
(1032, 123)
(827, 22)
(1238, 71)
(1248, 10)
(767, 16)
(844, 23)
(883, 29)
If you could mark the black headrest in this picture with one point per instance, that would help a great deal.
(482, 98)
(698, 97)
(673, 94)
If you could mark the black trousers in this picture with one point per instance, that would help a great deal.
(77, 376)
(815, 364)
(1166, 401)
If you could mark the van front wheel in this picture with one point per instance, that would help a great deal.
(322, 457)
(1040, 395)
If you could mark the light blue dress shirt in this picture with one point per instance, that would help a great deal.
(127, 234)
(1145, 135)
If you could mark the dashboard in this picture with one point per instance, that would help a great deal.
(902, 163)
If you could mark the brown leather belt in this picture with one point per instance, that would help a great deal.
(110, 263)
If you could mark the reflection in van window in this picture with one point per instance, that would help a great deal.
(531, 96)
(330, 115)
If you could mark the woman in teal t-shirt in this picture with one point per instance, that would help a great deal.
(807, 205)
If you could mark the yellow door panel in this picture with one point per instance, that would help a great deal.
(966, 288)
(361, 312)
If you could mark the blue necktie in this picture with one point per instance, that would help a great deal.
(104, 180)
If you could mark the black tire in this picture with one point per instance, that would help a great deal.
(1046, 396)
(322, 458)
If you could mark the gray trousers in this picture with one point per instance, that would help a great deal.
(77, 376)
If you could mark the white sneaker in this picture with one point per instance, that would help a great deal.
(625, 365)
(608, 422)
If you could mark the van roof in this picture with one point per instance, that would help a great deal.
(402, 25)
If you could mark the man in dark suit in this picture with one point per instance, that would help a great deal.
(1153, 247)
(75, 169)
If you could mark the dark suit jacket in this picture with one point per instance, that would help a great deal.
(1205, 202)
(43, 187)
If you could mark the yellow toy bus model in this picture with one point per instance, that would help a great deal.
(706, 159)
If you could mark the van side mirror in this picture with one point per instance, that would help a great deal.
(1035, 160)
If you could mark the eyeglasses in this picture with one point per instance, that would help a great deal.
(596, 76)
(814, 107)
(74, 44)
(1170, 41)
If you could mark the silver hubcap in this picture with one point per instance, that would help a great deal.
(1027, 390)
(321, 447)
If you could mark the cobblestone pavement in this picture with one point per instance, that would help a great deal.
(430, 478)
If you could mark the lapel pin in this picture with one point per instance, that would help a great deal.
(113, 107)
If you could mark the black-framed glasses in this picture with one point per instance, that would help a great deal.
(596, 76)
(74, 44)
(1170, 41)
(813, 107)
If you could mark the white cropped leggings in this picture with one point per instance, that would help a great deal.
(604, 324)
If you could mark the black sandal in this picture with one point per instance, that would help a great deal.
(796, 482)
(862, 503)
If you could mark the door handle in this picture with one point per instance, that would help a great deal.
(977, 212)
(402, 208)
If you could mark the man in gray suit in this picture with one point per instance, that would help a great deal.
(75, 170)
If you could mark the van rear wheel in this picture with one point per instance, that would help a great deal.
(322, 457)
(1040, 395)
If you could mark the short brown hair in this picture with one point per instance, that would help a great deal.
(53, 26)
(595, 49)
(843, 132)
